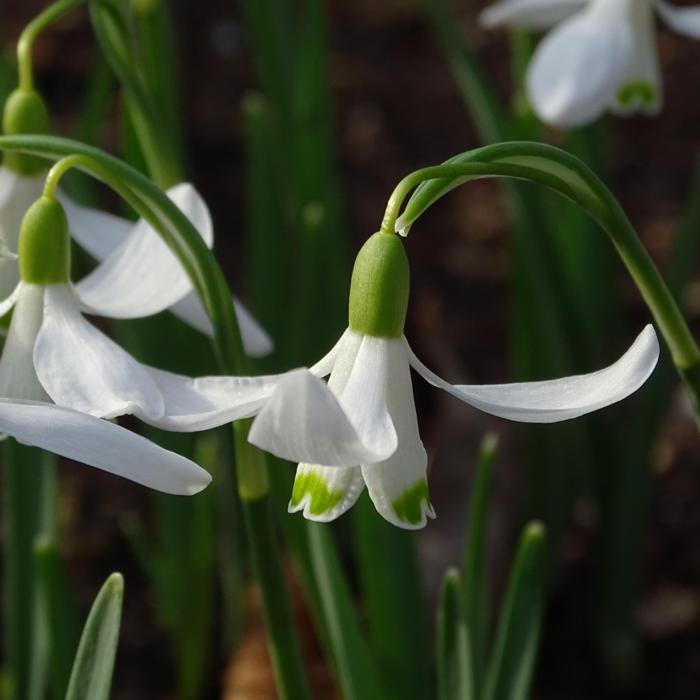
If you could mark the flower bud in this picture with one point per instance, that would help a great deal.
(44, 244)
(25, 113)
(379, 288)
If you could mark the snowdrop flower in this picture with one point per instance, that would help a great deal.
(138, 275)
(600, 55)
(361, 428)
(53, 354)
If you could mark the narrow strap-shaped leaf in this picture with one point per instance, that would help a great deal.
(356, 672)
(515, 649)
(92, 671)
(58, 608)
(391, 587)
(474, 584)
(454, 662)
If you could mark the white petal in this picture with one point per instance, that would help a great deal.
(256, 342)
(579, 66)
(83, 369)
(398, 486)
(17, 194)
(325, 493)
(8, 303)
(641, 89)
(98, 232)
(142, 276)
(18, 379)
(685, 20)
(348, 343)
(528, 14)
(303, 421)
(101, 444)
(559, 399)
(192, 404)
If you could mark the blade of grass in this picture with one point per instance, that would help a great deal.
(474, 582)
(356, 672)
(58, 608)
(455, 669)
(91, 676)
(512, 662)
(392, 595)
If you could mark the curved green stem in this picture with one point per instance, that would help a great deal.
(26, 40)
(570, 177)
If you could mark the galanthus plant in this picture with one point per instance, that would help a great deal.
(138, 274)
(601, 54)
(361, 428)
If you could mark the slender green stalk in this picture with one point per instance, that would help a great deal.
(573, 179)
(26, 40)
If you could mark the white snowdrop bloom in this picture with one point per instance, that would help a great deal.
(361, 428)
(600, 54)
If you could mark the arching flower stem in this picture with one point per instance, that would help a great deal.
(571, 178)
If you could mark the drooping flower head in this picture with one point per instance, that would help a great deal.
(601, 54)
(361, 429)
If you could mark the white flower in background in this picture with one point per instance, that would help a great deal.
(361, 428)
(601, 54)
(138, 275)
(53, 352)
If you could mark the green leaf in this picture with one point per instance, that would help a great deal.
(511, 666)
(391, 590)
(58, 608)
(356, 671)
(454, 662)
(92, 671)
(475, 566)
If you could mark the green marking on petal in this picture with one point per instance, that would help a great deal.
(409, 505)
(321, 498)
(638, 89)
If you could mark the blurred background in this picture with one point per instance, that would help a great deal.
(623, 612)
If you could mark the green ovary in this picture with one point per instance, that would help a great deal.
(638, 89)
(321, 498)
(409, 505)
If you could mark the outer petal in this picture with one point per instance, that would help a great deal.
(18, 378)
(529, 14)
(579, 67)
(325, 493)
(559, 399)
(142, 276)
(256, 342)
(83, 369)
(17, 194)
(7, 304)
(98, 232)
(684, 20)
(101, 444)
(303, 421)
(641, 89)
(398, 486)
(206, 402)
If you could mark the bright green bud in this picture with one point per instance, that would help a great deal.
(44, 244)
(25, 113)
(379, 288)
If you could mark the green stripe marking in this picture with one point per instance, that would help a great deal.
(409, 505)
(321, 498)
(644, 91)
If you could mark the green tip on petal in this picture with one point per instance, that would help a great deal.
(379, 288)
(409, 505)
(321, 498)
(44, 244)
(25, 113)
(637, 91)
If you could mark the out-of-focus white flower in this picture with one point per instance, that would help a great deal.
(138, 275)
(601, 54)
